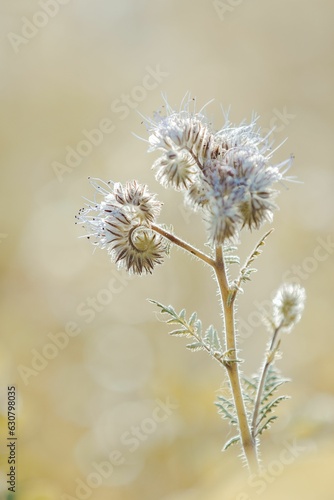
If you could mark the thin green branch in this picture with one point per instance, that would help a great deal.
(246, 270)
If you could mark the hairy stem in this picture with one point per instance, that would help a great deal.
(183, 244)
(247, 441)
(270, 357)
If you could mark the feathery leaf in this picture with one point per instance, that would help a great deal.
(230, 442)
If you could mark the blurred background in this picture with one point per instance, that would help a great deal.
(110, 406)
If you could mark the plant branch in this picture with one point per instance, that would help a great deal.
(248, 443)
(270, 357)
(183, 244)
(245, 270)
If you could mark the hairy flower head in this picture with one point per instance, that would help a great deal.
(120, 222)
(288, 305)
(227, 174)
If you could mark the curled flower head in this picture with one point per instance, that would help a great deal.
(227, 174)
(288, 305)
(121, 222)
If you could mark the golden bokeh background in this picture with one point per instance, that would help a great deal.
(98, 379)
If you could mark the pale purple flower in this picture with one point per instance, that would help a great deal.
(228, 173)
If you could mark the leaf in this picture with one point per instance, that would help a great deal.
(231, 259)
(229, 249)
(164, 309)
(273, 404)
(246, 270)
(246, 274)
(269, 408)
(198, 327)
(273, 381)
(266, 425)
(174, 321)
(226, 409)
(271, 388)
(230, 442)
(167, 244)
(195, 346)
(180, 333)
(182, 314)
(191, 328)
(250, 383)
(193, 318)
(227, 402)
(211, 338)
(226, 414)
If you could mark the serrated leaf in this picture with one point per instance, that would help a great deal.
(193, 318)
(226, 409)
(266, 425)
(226, 414)
(231, 259)
(167, 244)
(230, 442)
(211, 338)
(174, 321)
(164, 309)
(268, 408)
(198, 327)
(249, 382)
(195, 346)
(273, 404)
(229, 248)
(182, 314)
(226, 401)
(246, 270)
(180, 333)
(271, 388)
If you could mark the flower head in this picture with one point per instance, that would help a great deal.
(288, 305)
(227, 174)
(175, 169)
(121, 222)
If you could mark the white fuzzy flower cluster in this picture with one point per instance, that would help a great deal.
(227, 173)
(288, 306)
(121, 222)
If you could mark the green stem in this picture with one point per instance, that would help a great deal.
(247, 441)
